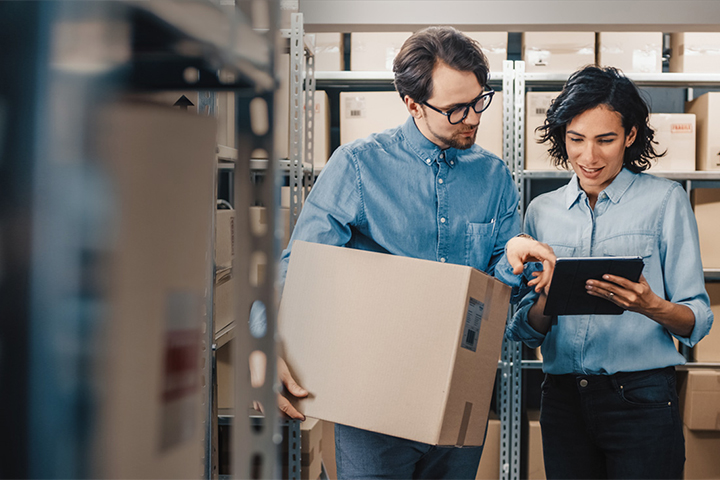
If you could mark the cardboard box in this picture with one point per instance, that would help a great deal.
(259, 222)
(160, 163)
(365, 113)
(536, 463)
(708, 349)
(695, 52)
(328, 450)
(702, 461)
(675, 135)
(631, 52)
(700, 399)
(225, 376)
(223, 307)
(489, 468)
(557, 52)
(321, 130)
(224, 237)
(706, 204)
(375, 51)
(423, 339)
(311, 431)
(707, 111)
(329, 52)
(494, 46)
(536, 107)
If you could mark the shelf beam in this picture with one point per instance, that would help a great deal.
(512, 15)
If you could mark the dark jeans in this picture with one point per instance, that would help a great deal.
(625, 425)
(367, 455)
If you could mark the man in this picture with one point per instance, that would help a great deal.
(422, 190)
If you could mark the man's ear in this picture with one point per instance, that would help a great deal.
(413, 107)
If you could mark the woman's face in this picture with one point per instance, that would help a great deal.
(595, 142)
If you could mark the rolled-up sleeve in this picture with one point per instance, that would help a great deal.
(682, 265)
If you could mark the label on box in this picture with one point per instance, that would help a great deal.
(473, 319)
(539, 58)
(355, 107)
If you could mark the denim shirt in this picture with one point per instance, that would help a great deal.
(397, 192)
(636, 215)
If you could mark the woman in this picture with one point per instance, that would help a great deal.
(609, 403)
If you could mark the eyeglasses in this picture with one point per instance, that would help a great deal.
(459, 113)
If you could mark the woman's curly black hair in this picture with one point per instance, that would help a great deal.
(591, 87)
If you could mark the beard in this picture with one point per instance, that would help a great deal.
(457, 140)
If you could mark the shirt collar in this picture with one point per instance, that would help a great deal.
(425, 150)
(614, 191)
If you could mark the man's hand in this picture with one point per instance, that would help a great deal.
(292, 387)
(523, 249)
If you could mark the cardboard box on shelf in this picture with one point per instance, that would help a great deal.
(321, 139)
(707, 112)
(160, 162)
(631, 52)
(259, 223)
(489, 467)
(700, 399)
(415, 347)
(536, 106)
(536, 464)
(494, 46)
(224, 237)
(224, 289)
(708, 349)
(375, 51)
(557, 52)
(225, 376)
(364, 113)
(311, 443)
(695, 52)
(675, 135)
(706, 204)
(329, 52)
(701, 454)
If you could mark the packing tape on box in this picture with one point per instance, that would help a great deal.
(464, 424)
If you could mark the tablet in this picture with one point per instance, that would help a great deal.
(567, 294)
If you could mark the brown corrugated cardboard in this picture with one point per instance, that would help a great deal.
(700, 399)
(225, 377)
(375, 51)
(695, 52)
(536, 464)
(675, 135)
(364, 113)
(706, 204)
(707, 111)
(536, 106)
(708, 349)
(328, 449)
(328, 52)
(489, 467)
(631, 52)
(702, 461)
(223, 310)
(494, 46)
(394, 339)
(321, 139)
(161, 165)
(224, 235)
(557, 52)
(311, 431)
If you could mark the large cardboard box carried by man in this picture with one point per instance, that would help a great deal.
(396, 345)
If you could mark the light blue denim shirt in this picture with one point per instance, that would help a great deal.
(638, 214)
(397, 192)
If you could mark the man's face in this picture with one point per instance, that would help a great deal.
(450, 88)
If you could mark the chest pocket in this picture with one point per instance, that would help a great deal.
(563, 250)
(628, 245)
(479, 244)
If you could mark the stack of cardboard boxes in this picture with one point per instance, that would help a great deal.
(700, 406)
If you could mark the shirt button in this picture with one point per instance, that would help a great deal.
(442, 155)
(583, 383)
(442, 220)
(440, 181)
(442, 260)
(452, 163)
(428, 161)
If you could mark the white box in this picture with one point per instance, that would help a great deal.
(375, 51)
(558, 52)
(631, 52)
(707, 111)
(321, 130)
(536, 106)
(675, 135)
(706, 205)
(695, 52)
(494, 46)
(328, 52)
